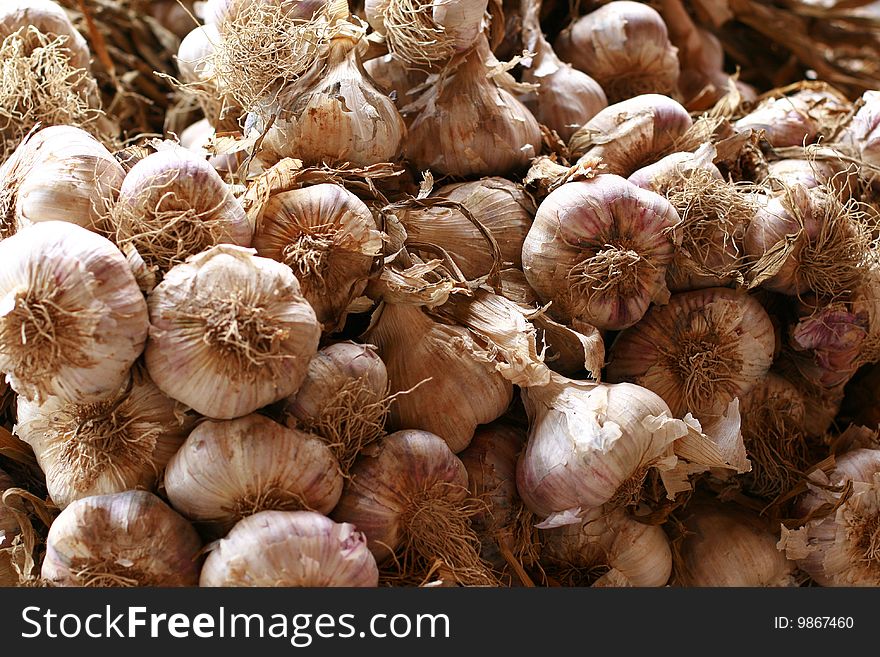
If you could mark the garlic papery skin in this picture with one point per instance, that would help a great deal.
(598, 250)
(173, 205)
(566, 98)
(798, 119)
(450, 382)
(631, 134)
(493, 134)
(335, 114)
(625, 47)
(840, 548)
(862, 133)
(590, 444)
(229, 470)
(9, 527)
(230, 332)
(634, 553)
(426, 33)
(59, 173)
(728, 546)
(393, 76)
(129, 539)
(49, 18)
(699, 352)
(833, 337)
(409, 496)
(665, 172)
(104, 447)
(501, 206)
(344, 399)
(810, 173)
(72, 319)
(329, 238)
(290, 549)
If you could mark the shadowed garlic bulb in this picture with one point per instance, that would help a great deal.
(290, 549)
(625, 47)
(9, 529)
(126, 539)
(230, 332)
(598, 250)
(72, 319)
(228, 470)
(103, 447)
(329, 238)
(698, 352)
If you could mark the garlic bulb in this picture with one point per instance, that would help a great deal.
(566, 98)
(173, 205)
(290, 549)
(798, 119)
(409, 497)
(426, 32)
(173, 15)
(103, 447)
(195, 59)
(861, 133)
(493, 134)
(728, 546)
(72, 319)
(821, 403)
(394, 76)
(699, 352)
(840, 548)
(343, 399)
(631, 552)
(833, 337)
(335, 114)
(230, 332)
(631, 134)
(329, 238)
(450, 383)
(625, 47)
(49, 18)
(665, 172)
(60, 173)
(590, 444)
(124, 539)
(810, 173)
(501, 206)
(598, 249)
(9, 527)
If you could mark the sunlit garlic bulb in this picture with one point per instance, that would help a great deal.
(72, 319)
(126, 539)
(229, 470)
(728, 546)
(343, 399)
(698, 352)
(230, 333)
(49, 18)
(329, 238)
(598, 249)
(665, 172)
(625, 47)
(290, 549)
(103, 447)
(630, 552)
(631, 134)
(173, 205)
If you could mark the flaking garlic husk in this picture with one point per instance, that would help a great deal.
(395, 77)
(493, 134)
(859, 136)
(335, 114)
(173, 205)
(839, 547)
(725, 545)
(9, 531)
(98, 448)
(290, 549)
(625, 47)
(598, 250)
(344, 399)
(665, 172)
(699, 352)
(72, 319)
(632, 133)
(129, 539)
(330, 240)
(228, 470)
(59, 173)
(822, 403)
(609, 548)
(230, 332)
(409, 496)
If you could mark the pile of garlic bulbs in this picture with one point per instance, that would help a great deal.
(425, 295)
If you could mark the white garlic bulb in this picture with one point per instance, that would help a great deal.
(49, 18)
(125, 539)
(291, 549)
(72, 319)
(228, 470)
(230, 332)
